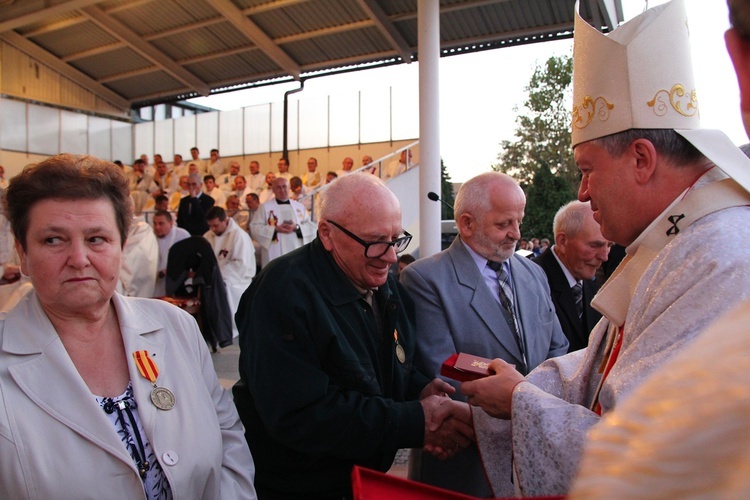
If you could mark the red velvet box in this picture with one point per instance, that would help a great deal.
(463, 367)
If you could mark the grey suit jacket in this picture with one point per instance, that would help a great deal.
(456, 312)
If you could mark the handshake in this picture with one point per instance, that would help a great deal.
(448, 424)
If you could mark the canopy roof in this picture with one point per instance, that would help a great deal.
(137, 52)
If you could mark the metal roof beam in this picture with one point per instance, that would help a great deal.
(216, 55)
(65, 70)
(256, 35)
(49, 28)
(375, 12)
(128, 74)
(269, 6)
(119, 30)
(42, 14)
(187, 27)
(324, 31)
(94, 52)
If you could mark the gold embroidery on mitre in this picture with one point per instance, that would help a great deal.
(676, 97)
(584, 114)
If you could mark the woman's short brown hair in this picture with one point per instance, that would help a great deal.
(67, 177)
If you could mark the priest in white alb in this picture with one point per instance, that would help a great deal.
(235, 253)
(167, 234)
(281, 225)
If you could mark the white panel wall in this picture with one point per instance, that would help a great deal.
(230, 136)
(405, 113)
(313, 122)
(207, 129)
(143, 139)
(164, 139)
(122, 142)
(375, 115)
(257, 129)
(100, 138)
(184, 136)
(277, 125)
(13, 125)
(74, 130)
(344, 120)
(45, 124)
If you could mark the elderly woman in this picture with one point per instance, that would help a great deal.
(101, 395)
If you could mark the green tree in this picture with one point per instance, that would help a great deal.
(540, 156)
(544, 196)
(446, 193)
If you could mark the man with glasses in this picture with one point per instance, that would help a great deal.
(462, 307)
(281, 224)
(327, 339)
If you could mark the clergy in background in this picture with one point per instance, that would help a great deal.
(235, 253)
(281, 225)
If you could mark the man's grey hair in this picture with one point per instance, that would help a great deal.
(195, 178)
(570, 218)
(473, 197)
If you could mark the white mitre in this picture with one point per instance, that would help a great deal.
(641, 76)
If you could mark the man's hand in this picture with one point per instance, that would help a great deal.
(494, 393)
(286, 228)
(438, 387)
(448, 426)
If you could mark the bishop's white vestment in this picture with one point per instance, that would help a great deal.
(677, 278)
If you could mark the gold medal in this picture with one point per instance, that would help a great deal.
(400, 353)
(162, 397)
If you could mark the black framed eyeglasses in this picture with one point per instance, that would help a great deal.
(376, 249)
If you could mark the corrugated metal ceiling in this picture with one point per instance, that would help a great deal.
(133, 52)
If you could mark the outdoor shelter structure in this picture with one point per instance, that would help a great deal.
(131, 53)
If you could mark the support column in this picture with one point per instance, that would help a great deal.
(428, 45)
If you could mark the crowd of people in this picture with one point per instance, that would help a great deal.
(624, 383)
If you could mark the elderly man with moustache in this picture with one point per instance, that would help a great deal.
(326, 364)
(676, 196)
(462, 307)
(571, 265)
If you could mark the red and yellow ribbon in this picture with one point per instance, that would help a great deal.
(146, 365)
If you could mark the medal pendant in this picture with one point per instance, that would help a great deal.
(400, 354)
(162, 398)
